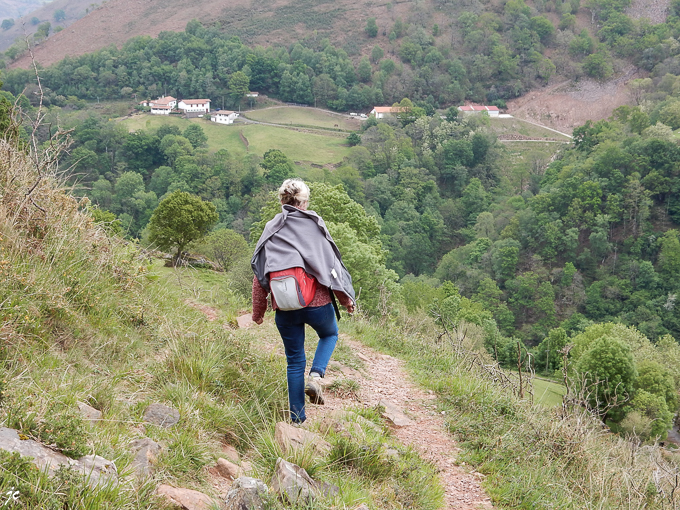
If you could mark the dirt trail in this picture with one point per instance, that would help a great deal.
(384, 379)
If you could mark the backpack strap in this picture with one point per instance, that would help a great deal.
(335, 303)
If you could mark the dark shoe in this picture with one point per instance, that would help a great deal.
(313, 390)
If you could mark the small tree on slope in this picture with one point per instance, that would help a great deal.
(180, 219)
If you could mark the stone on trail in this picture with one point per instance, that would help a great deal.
(228, 470)
(96, 469)
(291, 438)
(395, 415)
(231, 453)
(146, 450)
(246, 494)
(362, 506)
(245, 321)
(89, 412)
(161, 415)
(186, 498)
(295, 484)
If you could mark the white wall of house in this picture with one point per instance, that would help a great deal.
(224, 118)
(195, 107)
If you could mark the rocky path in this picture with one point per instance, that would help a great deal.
(383, 380)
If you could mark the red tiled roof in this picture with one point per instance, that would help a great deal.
(386, 109)
(478, 108)
(195, 101)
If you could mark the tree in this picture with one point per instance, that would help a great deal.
(195, 134)
(180, 219)
(35, 20)
(371, 27)
(376, 54)
(364, 70)
(7, 23)
(353, 139)
(277, 167)
(609, 371)
(59, 15)
(239, 85)
(225, 247)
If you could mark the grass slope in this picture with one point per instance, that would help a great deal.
(297, 144)
(312, 117)
(89, 318)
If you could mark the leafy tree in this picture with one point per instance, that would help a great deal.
(353, 139)
(225, 247)
(647, 416)
(195, 134)
(7, 23)
(597, 65)
(180, 219)
(59, 15)
(364, 70)
(239, 85)
(371, 27)
(608, 368)
(376, 54)
(35, 20)
(277, 167)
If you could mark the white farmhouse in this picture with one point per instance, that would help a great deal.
(194, 105)
(493, 111)
(224, 116)
(162, 105)
(381, 112)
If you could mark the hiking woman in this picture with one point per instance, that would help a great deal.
(298, 238)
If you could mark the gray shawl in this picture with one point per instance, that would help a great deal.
(295, 238)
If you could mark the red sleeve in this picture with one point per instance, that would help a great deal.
(259, 300)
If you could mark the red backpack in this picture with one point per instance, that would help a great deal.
(292, 288)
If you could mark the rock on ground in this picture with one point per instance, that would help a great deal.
(186, 498)
(228, 470)
(161, 415)
(89, 412)
(291, 438)
(293, 482)
(146, 451)
(246, 494)
(96, 469)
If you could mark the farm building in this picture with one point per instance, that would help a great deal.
(194, 105)
(493, 111)
(161, 106)
(381, 112)
(224, 116)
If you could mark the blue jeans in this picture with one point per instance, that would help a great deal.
(291, 326)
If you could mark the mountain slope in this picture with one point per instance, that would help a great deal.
(266, 23)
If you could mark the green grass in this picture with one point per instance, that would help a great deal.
(533, 456)
(520, 127)
(298, 145)
(305, 117)
(548, 393)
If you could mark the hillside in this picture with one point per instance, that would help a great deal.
(16, 8)
(73, 10)
(278, 22)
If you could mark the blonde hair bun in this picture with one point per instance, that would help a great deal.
(293, 192)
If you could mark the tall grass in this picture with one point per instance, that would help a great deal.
(533, 456)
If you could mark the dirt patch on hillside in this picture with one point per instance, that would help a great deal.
(654, 10)
(568, 104)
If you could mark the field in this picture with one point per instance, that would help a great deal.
(514, 126)
(303, 147)
(548, 393)
(301, 116)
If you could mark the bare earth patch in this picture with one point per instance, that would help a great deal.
(568, 104)
(655, 11)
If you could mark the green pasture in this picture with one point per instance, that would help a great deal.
(515, 126)
(300, 116)
(304, 147)
(547, 392)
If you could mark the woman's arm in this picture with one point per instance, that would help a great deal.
(259, 301)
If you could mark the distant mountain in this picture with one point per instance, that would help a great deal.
(42, 11)
(17, 8)
(266, 22)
